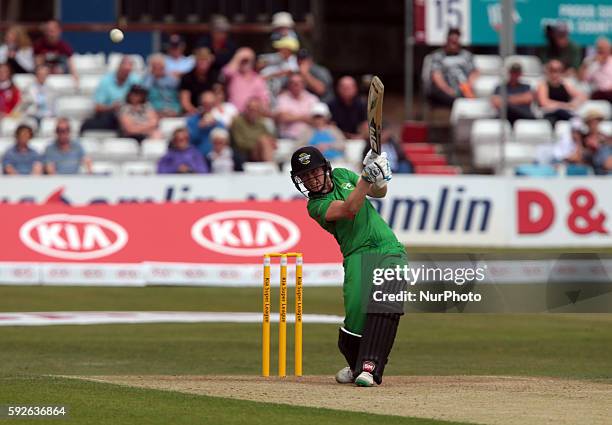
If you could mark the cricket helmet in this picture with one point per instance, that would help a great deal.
(306, 159)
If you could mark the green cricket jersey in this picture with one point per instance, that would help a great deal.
(365, 232)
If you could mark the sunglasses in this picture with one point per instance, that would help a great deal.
(62, 130)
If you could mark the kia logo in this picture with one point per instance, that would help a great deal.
(73, 237)
(245, 233)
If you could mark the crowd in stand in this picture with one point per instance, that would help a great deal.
(235, 104)
(567, 82)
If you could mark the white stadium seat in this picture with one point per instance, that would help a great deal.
(23, 81)
(562, 129)
(284, 149)
(90, 63)
(76, 107)
(153, 148)
(489, 132)
(602, 106)
(8, 125)
(532, 65)
(168, 125)
(92, 147)
(115, 58)
(105, 168)
(514, 154)
(120, 148)
(89, 83)
(262, 168)
(5, 143)
(39, 144)
(61, 84)
(353, 151)
(485, 85)
(138, 168)
(488, 64)
(100, 134)
(471, 109)
(533, 132)
(606, 128)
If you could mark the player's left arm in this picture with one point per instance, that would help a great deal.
(377, 192)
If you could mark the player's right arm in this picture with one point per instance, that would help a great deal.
(338, 210)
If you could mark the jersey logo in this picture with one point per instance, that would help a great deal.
(304, 158)
(347, 186)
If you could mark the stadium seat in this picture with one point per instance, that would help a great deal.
(124, 149)
(5, 143)
(532, 65)
(48, 124)
(602, 106)
(100, 134)
(285, 148)
(23, 81)
(489, 132)
(115, 58)
(8, 125)
(39, 144)
(488, 64)
(61, 84)
(485, 85)
(138, 168)
(419, 148)
(533, 132)
(77, 107)
(606, 128)
(485, 156)
(262, 168)
(89, 83)
(353, 151)
(532, 81)
(471, 109)
(168, 125)
(437, 169)
(434, 159)
(105, 168)
(89, 63)
(153, 148)
(562, 129)
(92, 147)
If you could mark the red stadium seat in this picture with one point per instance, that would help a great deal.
(419, 148)
(427, 159)
(437, 169)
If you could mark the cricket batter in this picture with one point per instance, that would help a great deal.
(337, 201)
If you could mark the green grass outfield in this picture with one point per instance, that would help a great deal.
(571, 346)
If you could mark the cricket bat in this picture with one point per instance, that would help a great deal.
(375, 104)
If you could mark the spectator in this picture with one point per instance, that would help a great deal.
(38, 99)
(283, 26)
(110, 95)
(396, 156)
(452, 71)
(520, 96)
(181, 157)
(162, 87)
(294, 108)
(324, 135)
(278, 66)
(17, 50)
(561, 48)
(9, 93)
(224, 112)
(318, 79)
(588, 145)
(251, 136)
(53, 51)
(597, 71)
(222, 159)
(203, 122)
(137, 118)
(177, 64)
(348, 110)
(557, 98)
(242, 81)
(199, 80)
(219, 42)
(21, 159)
(64, 156)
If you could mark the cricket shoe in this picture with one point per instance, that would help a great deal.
(345, 376)
(365, 379)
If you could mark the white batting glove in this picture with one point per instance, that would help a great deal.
(372, 173)
(370, 157)
(384, 165)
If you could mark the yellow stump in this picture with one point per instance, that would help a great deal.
(298, 315)
(282, 322)
(265, 353)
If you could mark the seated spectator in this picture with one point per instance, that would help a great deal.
(54, 52)
(219, 42)
(560, 47)
(199, 80)
(9, 93)
(181, 157)
(324, 135)
(557, 98)
(283, 26)
(137, 118)
(452, 71)
(251, 136)
(65, 156)
(17, 50)
(398, 161)
(242, 81)
(348, 110)
(224, 112)
(177, 64)
(520, 96)
(110, 95)
(38, 99)
(293, 108)
(21, 159)
(222, 159)
(590, 146)
(278, 66)
(597, 71)
(318, 79)
(162, 87)
(203, 122)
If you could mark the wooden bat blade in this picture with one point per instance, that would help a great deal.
(375, 105)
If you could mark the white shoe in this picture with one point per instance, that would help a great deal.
(345, 376)
(365, 379)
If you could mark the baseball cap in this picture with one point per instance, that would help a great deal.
(287, 43)
(320, 109)
(220, 23)
(282, 20)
